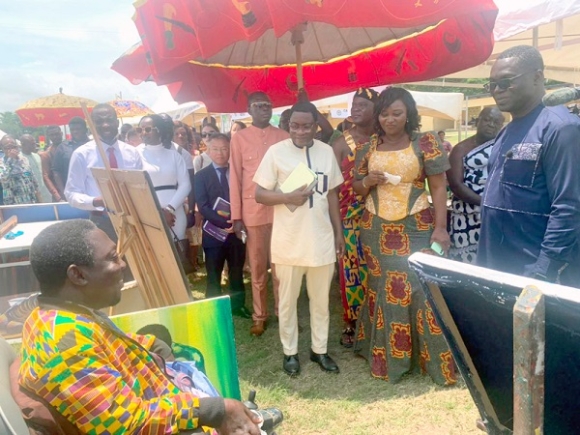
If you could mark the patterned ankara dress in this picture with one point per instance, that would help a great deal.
(466, 217)
(353, 269)
(396, 330)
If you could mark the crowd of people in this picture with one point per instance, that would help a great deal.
(515, 208)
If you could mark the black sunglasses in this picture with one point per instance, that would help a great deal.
(503, 84)
(147, 130)
(261, 105)
(208, 134)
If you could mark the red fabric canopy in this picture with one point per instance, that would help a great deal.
(219, 51)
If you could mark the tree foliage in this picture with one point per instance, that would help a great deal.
(10, 123)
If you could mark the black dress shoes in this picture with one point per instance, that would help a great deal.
(291, 365)
(242, 312)
(325, 362)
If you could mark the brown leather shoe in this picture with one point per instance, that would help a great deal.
(257, 328)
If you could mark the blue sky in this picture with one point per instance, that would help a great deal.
(71, 44)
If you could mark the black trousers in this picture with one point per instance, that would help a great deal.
(234, 252)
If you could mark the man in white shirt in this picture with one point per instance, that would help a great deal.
(307, 240)
(81, 189)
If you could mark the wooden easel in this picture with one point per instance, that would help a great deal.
(143, 234)
(529, 362)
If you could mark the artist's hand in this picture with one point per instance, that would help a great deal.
(373, 178)
(298, 196)
(238, 420)
(98, 202)
(441, 236)
(339, 245)
(169, 217)
(238, 228)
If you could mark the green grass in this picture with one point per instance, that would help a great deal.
(351, 402)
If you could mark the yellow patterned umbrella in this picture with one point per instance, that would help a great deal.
(57, 109)
(130, 108)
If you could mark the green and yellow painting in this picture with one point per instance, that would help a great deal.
(202, 331)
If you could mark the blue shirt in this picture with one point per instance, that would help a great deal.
(530, 218)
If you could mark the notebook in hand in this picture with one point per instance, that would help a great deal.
(222, 208)
(301, 176)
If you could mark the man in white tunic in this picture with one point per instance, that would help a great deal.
(307, 240)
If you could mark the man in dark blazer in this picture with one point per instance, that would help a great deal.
(210, 183)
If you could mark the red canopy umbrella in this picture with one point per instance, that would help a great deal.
(57, 109)
(134, 64)
(220, 50)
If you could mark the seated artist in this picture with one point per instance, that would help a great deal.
(76, 360)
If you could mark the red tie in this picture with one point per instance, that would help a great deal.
(112, 159)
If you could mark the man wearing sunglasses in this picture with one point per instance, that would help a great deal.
(531, 205)
(248, 147)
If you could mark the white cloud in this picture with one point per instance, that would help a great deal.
(69, 44)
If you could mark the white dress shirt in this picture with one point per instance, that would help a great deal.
(81, 188)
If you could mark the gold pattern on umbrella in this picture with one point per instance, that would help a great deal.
(57, 109)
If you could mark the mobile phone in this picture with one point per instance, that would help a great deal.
(437, 248)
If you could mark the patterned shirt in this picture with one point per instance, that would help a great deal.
(18, 182)
(101, 379)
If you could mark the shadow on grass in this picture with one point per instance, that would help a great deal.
(260, 362)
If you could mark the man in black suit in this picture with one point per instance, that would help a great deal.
(210, 183)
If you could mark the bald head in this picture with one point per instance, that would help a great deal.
(489, 123)
(28, 144)
(106, 122)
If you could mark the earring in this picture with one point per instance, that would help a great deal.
(407, 121)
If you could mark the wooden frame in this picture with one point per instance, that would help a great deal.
(143, 234)
(516, 349)
(144, 237)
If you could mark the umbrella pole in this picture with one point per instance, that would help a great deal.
(299, 72)
(298, 39)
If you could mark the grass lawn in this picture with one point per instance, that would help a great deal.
(351, 402)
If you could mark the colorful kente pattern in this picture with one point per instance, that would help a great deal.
(353, 268)
(101, 380)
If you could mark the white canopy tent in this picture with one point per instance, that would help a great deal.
(445, 105)
(553, 26)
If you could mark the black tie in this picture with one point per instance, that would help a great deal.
(224, 183)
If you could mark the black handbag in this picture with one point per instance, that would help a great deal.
(182, 248)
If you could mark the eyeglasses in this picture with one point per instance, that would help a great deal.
(261, 105)
(146, 130)
(295, 126)
(207, 134)
(503, 84)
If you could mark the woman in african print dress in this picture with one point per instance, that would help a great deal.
(352, 266)
(396, 330)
